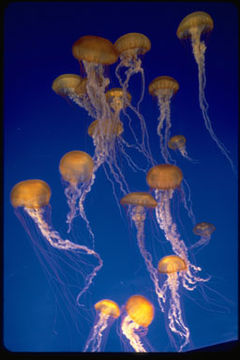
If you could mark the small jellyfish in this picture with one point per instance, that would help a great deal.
(164, 179)
(104, 133)
(107, 312)
(193, 26)
(164, 87)
(130, 48)
(115, 99)
(32, 197)
(73, 87)
(138, 203)
(138, 316)
(178, 142)
(174, 267)
(76, 169)
(204, 230)
(95, 53)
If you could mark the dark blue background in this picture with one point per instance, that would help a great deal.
(39, 127)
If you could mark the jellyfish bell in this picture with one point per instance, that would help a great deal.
(108, 307)
(139, 314)
(76, 167)
(203, 228)
(138, 201)
(177, 142)
(94, 49)
(105, 128)
(32, 194)
(164, 177)
(115, 99)
(163, 85)
(107, 311)
(132, 44)
(140, 310)
(139, 198)
(171, 264)
(66, 83)
(198, 20)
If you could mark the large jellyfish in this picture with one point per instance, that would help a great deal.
(193, 26)
(138, 202)
(178, 142)
(204, 230)
(164, 87)
(164, 179)
(95, 52)
(107, 311)
(138, 316)
(32, 196)
(73, 87)
(130, 48)
(76, 168)
(174, 267)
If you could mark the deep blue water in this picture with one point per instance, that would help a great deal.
(40, 127)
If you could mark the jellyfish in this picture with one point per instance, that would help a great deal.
(95, 53)
(204, 230)
(130, 48)
(178, 142)
(117, 104)
(32, 197)
(174, 267)
(138, 316)
(76, 168)
(164, 87)
(104, 135)
(107, 311)
(193, 26)
(138, 202)
(164, 179)
(73, 87)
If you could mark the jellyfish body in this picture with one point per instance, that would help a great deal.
(73, 87)
(204, 230)
(178, 142)
(117, 103)
(173, 266)
(164, 179)
(95, 52)
(33, 197)
(130, 48)
(138, 202)
(107, 311)
(163, 88)
(193, 26)
(104, 133)
(76, 168)
(139, 315)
